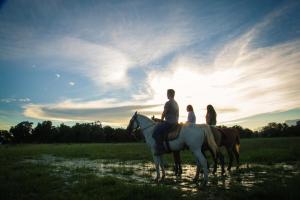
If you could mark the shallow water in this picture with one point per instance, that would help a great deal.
(144, 172)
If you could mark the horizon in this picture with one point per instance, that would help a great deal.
(74, 61)
(56, 124)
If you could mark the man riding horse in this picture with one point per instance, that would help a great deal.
(170, 114)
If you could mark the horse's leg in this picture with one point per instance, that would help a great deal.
(162, 166)
(177, 162)
(230, 154)
(203, 162)
(215, 160)
(221, 158)
(237, 156)
(157, 163)
(196, 178)
(203, 149)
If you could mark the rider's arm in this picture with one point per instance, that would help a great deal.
(163, 115)
(207, 118)
(166, 107)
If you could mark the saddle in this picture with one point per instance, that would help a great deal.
(173, 133)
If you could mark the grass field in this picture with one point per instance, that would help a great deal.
(271, 169)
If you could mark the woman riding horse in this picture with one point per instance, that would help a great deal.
(228, 137)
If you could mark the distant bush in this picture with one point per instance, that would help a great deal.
(271, 130)
(45, 132)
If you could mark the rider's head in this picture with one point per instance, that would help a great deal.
(171, 93)
(189, 108)
(210, 108)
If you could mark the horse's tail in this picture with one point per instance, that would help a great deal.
(238, 144)
(211, 140)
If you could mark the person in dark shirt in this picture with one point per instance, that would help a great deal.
(169, 118)
(211, 119)
(211, 116)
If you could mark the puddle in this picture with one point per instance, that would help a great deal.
(144, 172)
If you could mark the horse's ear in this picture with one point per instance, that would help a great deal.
(135, 113)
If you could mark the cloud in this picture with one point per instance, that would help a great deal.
(250, 80)
(102, 50)
(292, 122)
(260, 120)
(8, 100)
(11, 100)
(71, 83)
(24, 100)
(57, 75)
(107, 111)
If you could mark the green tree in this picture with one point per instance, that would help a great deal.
(5, 137)
(22, 132)
(43, 132)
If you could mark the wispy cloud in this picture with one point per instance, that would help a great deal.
(10, 100)
(107, 111)
(106, 60)
(252, 80)
(71, 83)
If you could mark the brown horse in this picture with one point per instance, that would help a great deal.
(227, 137)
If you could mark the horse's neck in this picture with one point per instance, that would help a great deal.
(144, 121)
(147, 125)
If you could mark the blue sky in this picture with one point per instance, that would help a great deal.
(81, 61)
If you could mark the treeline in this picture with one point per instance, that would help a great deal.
(271, 130)
(45, 132)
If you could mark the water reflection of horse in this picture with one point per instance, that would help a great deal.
(229, 138)
(191, 136)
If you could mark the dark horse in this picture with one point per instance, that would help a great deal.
(227, 137)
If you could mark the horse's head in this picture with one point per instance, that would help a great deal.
(133, 124)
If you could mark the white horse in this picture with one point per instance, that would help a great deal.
(191, 135)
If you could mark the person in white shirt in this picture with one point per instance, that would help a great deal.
(191, 115)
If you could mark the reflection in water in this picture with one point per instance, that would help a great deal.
(142, 172)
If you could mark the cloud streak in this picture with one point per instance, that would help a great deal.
(11, 100)
(107, 111)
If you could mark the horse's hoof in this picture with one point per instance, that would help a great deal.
(204, 183)
(195, 180)
(223, 172)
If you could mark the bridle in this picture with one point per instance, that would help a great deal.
(134, 119)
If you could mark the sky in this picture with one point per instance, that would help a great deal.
(84, 61)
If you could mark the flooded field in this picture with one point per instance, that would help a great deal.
(137, 172)
(271, 170)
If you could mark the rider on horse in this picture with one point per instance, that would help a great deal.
(170, 114)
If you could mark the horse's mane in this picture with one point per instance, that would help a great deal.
(144, 116)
